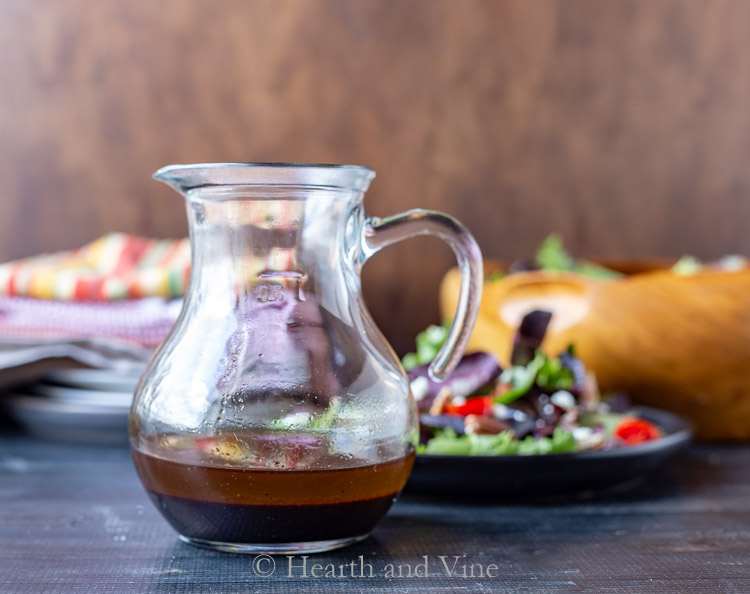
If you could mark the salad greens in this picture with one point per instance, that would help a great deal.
(493, 276)
(547, 373)
(607, 420)
(428, 344)
(688, 265)
(552, 255)
(539, 405)
(447, 443)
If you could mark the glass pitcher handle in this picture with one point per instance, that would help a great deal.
(379, 233)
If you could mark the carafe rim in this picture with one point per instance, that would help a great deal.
(186, 177)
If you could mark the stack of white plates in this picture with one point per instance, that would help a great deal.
(84, 405)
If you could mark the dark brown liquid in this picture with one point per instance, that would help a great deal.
(271, 506)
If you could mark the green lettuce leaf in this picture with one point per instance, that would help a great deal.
(428, 344)
(549, 374)
(552, 255)
(687, 266)
(447, 443)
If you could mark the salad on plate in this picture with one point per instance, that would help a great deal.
(537, 405)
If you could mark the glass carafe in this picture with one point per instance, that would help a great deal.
(275, 417)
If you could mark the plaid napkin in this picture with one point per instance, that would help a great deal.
(116, 266)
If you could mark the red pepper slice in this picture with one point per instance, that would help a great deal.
(480, 405)
(633, 431)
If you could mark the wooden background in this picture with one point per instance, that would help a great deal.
(624, 125)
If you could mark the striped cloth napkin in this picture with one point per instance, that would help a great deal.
(106, 305)
(114, 267)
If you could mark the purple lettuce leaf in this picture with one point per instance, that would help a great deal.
(475, 371)
(430, 424)
(529, 336)
(577, 368)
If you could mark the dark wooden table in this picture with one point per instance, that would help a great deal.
(75, 519)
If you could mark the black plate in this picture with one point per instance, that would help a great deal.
(551, 474)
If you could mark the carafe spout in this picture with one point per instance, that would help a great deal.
(184, 178)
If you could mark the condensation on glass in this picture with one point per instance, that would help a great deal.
(276, 415)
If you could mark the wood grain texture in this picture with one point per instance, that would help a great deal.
(75, 518)
(622, 124)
